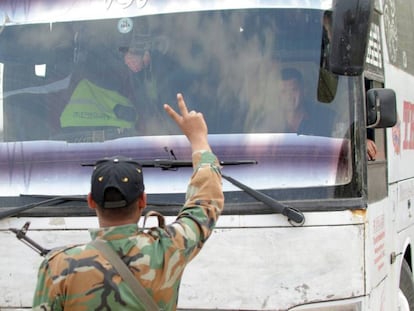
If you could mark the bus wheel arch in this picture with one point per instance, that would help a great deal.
(406, 287)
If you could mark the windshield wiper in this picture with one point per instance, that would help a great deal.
(49, 201)
(291, 213)
(52, 200)
(172, 164)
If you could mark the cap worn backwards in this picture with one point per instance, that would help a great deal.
(120, 173)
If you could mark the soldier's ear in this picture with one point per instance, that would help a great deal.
(92, 204)
(142, 201)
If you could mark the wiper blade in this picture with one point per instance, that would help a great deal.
(49, 201)
(291, 213)
(167, 164)
(172, 164)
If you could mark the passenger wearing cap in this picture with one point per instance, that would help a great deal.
(109, 80)
(81, 278)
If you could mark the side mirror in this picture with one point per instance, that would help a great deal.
(350, 30)
(381, 108)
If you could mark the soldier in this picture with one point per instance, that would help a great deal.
(80, 277)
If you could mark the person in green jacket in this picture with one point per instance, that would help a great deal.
(109, 85)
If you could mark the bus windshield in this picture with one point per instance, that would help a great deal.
(78, 90)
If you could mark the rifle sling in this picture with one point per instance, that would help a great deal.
(123, 270)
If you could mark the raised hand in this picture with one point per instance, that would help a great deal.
(191, 123)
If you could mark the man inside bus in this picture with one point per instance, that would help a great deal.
(81, 278)
(110, 81)
(302, 116)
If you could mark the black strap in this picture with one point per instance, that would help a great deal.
(123, 270)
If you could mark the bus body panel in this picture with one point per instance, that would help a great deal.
(256, 268)
(400, 137)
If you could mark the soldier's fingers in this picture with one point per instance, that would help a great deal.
(181, 104)
(172, 113)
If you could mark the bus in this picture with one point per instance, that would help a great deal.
(311, 222)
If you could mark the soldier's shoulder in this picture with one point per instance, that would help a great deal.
(64, 250)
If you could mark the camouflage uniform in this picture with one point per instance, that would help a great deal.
(80, 278)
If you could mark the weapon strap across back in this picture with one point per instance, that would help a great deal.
(126, 274)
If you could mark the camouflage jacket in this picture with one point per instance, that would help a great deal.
(80, 278)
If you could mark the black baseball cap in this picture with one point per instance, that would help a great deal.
(121, 173)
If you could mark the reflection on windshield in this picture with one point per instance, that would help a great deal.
(248, 71)
(251, 71)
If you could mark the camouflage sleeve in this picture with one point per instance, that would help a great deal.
(43, 298)
(204, 203)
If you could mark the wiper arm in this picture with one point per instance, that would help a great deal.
(291, 213)
(50, 200)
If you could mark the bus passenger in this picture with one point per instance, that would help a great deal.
(303, 117)
(109, 86)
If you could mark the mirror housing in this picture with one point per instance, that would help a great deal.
(350, 30)
(381, 108)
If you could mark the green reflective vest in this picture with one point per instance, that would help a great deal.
(91, 105)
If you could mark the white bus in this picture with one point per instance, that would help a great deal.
(309, 222)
